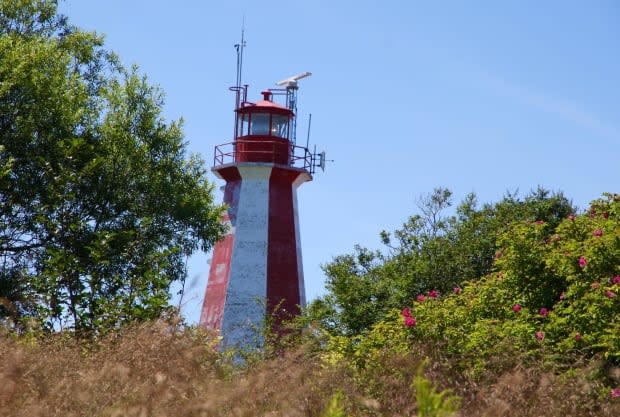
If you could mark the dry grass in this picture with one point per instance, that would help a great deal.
(159, 370)
(152, 370)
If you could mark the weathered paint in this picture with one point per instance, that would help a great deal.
(215, 296)
(244, 309)
(257, 268)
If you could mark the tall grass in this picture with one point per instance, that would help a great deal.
(161, 369)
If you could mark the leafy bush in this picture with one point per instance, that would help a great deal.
(552, 299)
(432, 251)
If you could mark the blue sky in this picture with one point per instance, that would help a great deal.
(405, 96)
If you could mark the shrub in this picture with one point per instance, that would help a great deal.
(553, 298)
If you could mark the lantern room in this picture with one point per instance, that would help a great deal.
(263, 132)
(264, 118)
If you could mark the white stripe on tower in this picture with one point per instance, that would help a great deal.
(300, 268)
(244, 309)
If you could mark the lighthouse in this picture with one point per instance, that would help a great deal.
(256, 269)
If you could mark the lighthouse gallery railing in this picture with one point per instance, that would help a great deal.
(269, 151)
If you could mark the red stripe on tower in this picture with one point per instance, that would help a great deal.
(283, 271)
(213, 306)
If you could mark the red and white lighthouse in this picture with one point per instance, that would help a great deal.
(256, 269)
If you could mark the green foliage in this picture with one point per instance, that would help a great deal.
(433, 251)
(99, 205)
(431, 403)
(540, 305)
(335, 408)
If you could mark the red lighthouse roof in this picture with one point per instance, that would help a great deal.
(265, 104)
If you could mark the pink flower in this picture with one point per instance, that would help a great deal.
(457, 290)
(582, 261)
(592, 212)
(615, 393)
(544, 312)
(578, 337)
(562, 296)
(615, 279)
(433, 294)
(597, 233)
(595, 285)
(409, 321)
(610, 294)
(516, 308)
(571, 217)
(606, 214)
(540, 222)
(540, 335)
(421, 298)
(498, 255)
(406, 312)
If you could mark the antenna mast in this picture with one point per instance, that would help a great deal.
(238, 88)
(239, 47)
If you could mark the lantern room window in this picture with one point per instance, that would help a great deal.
(263, 124)
(279, 126)
(259, 124)
(244, 125)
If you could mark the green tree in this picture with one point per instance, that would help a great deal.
(99, 204)
(552, 299)
(432, 251)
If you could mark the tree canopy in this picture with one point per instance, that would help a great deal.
(99, 203)
(432, 251)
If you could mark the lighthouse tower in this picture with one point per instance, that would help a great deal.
(256, 269)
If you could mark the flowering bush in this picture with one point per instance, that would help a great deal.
(552, 295)
(539, 310)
